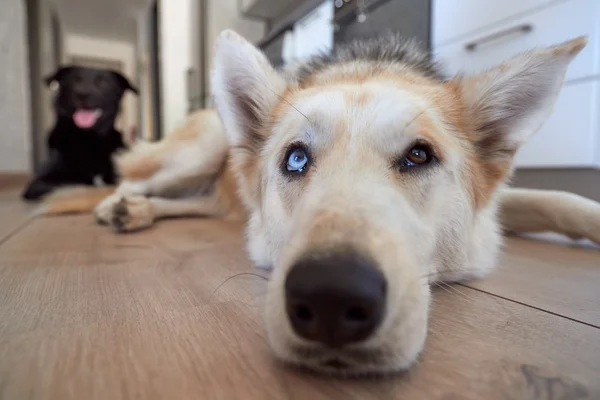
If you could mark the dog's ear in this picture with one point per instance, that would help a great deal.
(245, 87)
(59, 75)
(510, 102)
(124, 83)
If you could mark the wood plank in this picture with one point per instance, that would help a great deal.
(56, 268)
(554, 277)
(13, 212)
(88, 314)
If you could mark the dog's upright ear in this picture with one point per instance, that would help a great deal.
(124, 83)
(508, 104)
(245, 87)
(59, 75)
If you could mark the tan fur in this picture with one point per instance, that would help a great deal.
(524, 210)
(195, 178)
(139, 165)
(439, 223)
(74, 200)
(147, 158)
(356, 117)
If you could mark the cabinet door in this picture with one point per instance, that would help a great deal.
(274, 50)
(550, 26)
(569, 136)
(452, 19)
(410, 18)
(313, 34)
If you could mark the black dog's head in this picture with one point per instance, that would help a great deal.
(90, 97)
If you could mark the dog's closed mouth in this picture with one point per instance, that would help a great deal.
(336, 364)
(86, 119)
(347, 362)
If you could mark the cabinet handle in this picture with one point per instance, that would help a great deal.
(525, 28)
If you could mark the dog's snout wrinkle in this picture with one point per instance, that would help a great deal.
(336, 298)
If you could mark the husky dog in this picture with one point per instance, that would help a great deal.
(364, 176)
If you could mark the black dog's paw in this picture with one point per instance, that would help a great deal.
(36, 190)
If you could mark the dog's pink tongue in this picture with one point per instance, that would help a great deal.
(84, 118)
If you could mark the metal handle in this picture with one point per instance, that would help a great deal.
(193, 89)
(525, 28)
(190, 83)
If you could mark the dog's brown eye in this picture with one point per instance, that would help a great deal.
(417, 156)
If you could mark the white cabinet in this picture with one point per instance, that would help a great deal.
(568, 136)
(549, 26)
(451, 19)
(311, 35)
(474, 35)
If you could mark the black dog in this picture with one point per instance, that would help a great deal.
(83, 140)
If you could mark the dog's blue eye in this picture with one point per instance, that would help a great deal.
(297, 160)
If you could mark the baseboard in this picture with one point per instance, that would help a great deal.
(12, 180)
(584, 182)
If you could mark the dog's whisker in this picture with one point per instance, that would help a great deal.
(286, 101)
(409, 123)
(453, 290)
(443, 287)
(233, 277)
(449, 271)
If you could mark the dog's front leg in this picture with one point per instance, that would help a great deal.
(37, 188)
(132, 212)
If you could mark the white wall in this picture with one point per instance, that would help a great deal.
(15, 136)
(143, 60)
(175, 44)
(122, 51)
(45, 61)
(179, 42)
(225, 14)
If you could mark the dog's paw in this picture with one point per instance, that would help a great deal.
(132, 213)
(104, 209)
(125, 213)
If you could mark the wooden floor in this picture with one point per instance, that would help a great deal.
(171, 313)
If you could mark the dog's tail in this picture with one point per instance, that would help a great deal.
(531, 211)
(74, 200)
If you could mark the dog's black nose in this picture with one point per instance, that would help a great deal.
(82, 96)
(335, 299)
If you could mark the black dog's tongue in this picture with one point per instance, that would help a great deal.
(85, 119)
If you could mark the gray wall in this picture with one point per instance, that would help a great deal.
(14, 91)
(45, 38)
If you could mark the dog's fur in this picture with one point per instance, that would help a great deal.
(83, 139)
(357, 114)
